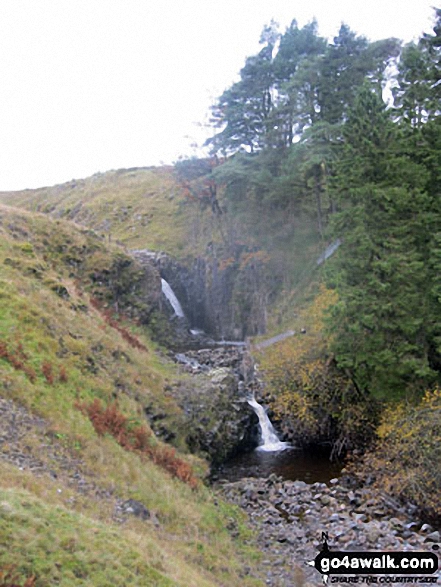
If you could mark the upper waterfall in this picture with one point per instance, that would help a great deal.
(170, 295)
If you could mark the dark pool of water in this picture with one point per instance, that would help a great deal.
(292, 464)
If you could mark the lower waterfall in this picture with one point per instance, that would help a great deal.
(269, 440)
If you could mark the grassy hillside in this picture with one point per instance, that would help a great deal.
(62, 485)
(141, 207)
(148, 208)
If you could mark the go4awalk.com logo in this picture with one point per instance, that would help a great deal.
(375, 567)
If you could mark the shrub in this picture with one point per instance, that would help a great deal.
(17, 358)
(315, 399)
(137, 438)
(406, 461)
(46, 369)
(62, 375)
(127, 336)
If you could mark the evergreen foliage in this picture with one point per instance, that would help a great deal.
(307, 131)
(384, 315)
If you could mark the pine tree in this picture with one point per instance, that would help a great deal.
(242, 111)
(296, 70)
(382, 327)
(413, 95)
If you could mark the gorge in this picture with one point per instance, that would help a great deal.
(74, 313)
(184, 347)
(258, 452)
(291, 494)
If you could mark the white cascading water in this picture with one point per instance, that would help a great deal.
(170, 295)
(269, 440)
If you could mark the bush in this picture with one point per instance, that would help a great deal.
(315, 399)
(137, 438)
(9, 578)
(406, 462)
(17, 358)
(131, 339)
(46, 369)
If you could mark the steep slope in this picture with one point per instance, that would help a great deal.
(139, 207)
(239, 263)
(79, 507)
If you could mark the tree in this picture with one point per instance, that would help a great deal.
(348, 63)
(432, 43)
(412, 95)
(242, 111)
(383, 325)
(296, 67)
(341, 74)
(198, 181)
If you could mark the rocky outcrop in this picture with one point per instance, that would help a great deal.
(219, 297)
(212, 394)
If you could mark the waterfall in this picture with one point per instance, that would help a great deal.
(170, 295)
(269, 439)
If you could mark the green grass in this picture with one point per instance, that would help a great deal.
(63, 548)
(146, 208)
(140, 208)
(47, 527)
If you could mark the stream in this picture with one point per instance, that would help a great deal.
(271, 456)
(292, 464)
(274, 457)
(290, 495)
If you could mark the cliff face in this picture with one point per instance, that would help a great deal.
(226, 302)
(227, 270)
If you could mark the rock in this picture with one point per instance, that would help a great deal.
(221, 376)
(433, 537)
(426, 528)
(135, 508)
(325, 500)
(373, 533)
(219, 420)
(396, 523)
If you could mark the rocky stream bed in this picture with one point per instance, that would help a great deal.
(290, 517)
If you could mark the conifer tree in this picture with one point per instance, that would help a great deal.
(382, 326)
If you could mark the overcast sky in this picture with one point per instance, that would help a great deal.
(93, 85)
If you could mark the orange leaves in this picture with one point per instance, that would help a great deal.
(8, 578)
(127, 336)
(226, 263)
(405, 462)
(17, 358)
(136, 438)
(47, 371)
(308, 388)
(254, 258)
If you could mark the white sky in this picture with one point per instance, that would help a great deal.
(93, 85)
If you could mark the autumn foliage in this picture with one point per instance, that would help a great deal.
(17, 358)
(406, 462)
(311, 392)
(9, 578)
(132, 340)
(136, 438)
(47, 371)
